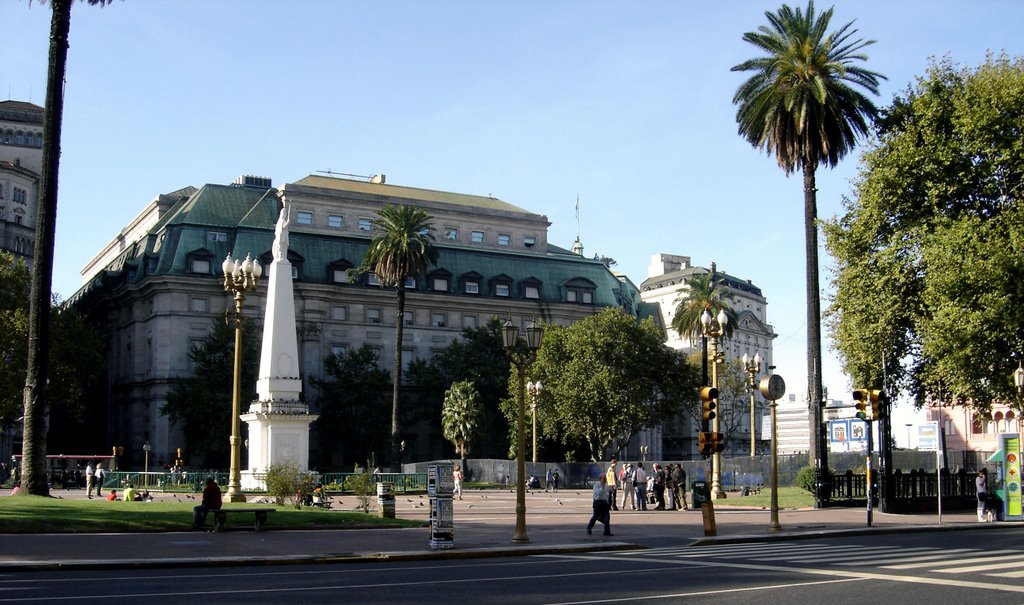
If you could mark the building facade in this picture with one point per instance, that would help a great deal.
(157, 286)
(968, 429)
(21, 164)
(666, 286)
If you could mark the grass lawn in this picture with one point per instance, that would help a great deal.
(34, 514)
(789, 497)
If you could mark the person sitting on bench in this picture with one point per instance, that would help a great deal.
(211, 501)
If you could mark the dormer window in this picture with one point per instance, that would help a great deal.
(337, 272)
(200, 262)
(501, 286)
(580, 290)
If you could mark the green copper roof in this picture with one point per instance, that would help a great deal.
(409, 193)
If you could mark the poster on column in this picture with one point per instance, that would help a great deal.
(1011, 477)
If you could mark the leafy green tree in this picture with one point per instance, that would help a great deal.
(402, 247)
(802, 105)
(460, 416)
(76, 352)
(929, 253)
(352, 406)
(201, 404)
(606, 377)
(477, 357)
(33, 466)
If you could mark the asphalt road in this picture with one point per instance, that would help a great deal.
(932, 568)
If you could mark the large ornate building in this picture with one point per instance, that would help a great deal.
(157, 286)
(666, 285)
(21, 162)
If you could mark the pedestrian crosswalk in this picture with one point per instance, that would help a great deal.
(1006, 564)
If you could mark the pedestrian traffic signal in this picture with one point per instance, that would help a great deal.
(708, 395)
(879, 404)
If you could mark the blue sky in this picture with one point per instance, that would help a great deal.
(627, 105)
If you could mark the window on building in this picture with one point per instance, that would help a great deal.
(438, 319)
(504, 239)
(451, 233)
(18, 219)
(216, 236)
(200, 265)
(409, 317)
(502, 290)
(304, 217)
(372, 279)
(199, 304)
(410, 283)
(570, 295)
(529, 241)
(339, 276)
(339, 312)
(531, 292)
(472, 287)
(469, 322)
(373, 316)
(439, 284)
(477, 237)
(339, 350)
(295, 273)
(365, 224)
(335, 221)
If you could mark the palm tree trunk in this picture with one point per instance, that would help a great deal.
(33, 473)
(819, 451)
(396, 439)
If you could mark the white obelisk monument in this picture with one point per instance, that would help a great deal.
(278, 421)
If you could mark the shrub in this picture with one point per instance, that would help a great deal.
(361, 484)
(287, 481)
(805, 478)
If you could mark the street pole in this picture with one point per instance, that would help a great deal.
(239, 277)
(773, 387)
(510, 342)
(715, 329)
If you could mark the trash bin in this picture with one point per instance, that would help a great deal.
(745, 490)
(386, 500)
(700, 493)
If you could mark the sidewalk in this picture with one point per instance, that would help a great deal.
(484, 527)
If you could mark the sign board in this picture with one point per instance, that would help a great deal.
(840, 412)
(928, 436)
(766, 427)
(1011, 476)
(848, 435)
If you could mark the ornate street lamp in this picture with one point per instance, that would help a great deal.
(1018, 379)
(521, 361)
(753, 367)
(239, 278)
(534, 389)
(146, 448)
(714, 329)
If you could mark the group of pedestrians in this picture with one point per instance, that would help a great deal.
(664, 488)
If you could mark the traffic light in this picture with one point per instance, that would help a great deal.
(717, 443)
(710, 443)
(878, 404)
(863, 407)
(708, 395)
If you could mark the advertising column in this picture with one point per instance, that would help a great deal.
(1011, 476)
(440, 486)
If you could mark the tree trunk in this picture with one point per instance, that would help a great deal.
(396, 438)
(33, 470)
(819, 452)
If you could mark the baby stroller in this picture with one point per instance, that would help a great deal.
(991, 508)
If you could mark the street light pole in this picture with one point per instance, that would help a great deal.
(534, 389)
(239, 278)
(752, 366)
(773, 387)
(714, 329)
(145, 448)
(521, 361)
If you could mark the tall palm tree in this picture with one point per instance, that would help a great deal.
(802, 105)
(33, 449)
(402, 247)
(703, 292)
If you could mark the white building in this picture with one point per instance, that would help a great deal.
(21, 163)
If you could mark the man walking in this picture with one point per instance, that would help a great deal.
(601, 507)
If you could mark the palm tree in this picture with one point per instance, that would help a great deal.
(802, 105)
(33, 449)
(460, 416)
(703, 292)
(402, 247)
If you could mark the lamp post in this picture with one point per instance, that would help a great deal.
(1018, 379)
(753, 367)
(146, 448)
(714, 329)
(644, 450)
(534, 389)
(773, 387)
(521, 361)
(239, 278)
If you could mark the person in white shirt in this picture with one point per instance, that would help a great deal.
(601, 506)
(640, 486)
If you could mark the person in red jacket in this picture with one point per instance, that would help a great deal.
(211, 501)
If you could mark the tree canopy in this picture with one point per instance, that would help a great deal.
(606, 377)
(929, 278)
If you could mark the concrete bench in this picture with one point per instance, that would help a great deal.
(220, 517)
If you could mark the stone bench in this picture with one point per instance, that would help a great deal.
(220, 517)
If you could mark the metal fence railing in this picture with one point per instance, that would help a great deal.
(192, 482)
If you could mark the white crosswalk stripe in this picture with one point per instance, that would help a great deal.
(999, 563)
